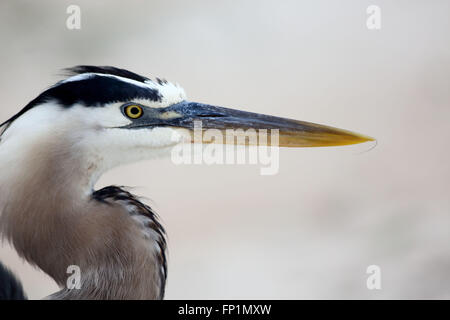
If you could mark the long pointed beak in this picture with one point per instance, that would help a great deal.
(292, 133)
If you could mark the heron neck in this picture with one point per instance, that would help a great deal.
(50, 217)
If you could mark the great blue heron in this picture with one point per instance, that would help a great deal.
(53, 151)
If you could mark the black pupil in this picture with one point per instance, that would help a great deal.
(134, 110)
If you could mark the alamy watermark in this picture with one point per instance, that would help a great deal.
(373, 281)
(73, 21)
(373, 21)
(231, 146)
(74, 280)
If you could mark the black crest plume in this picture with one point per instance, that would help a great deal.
(95, 90)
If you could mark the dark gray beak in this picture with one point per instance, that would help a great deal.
(292, 133)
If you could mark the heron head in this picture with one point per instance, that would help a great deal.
(115, 116)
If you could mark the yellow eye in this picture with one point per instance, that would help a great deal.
(133, 111)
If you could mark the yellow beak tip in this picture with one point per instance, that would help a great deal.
(367, 138)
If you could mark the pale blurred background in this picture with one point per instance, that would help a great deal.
(311, 230)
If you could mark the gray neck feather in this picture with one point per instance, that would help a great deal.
(51, 217)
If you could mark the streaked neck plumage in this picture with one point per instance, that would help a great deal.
(54, 219)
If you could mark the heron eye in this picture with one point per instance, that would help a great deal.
(133, 111)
